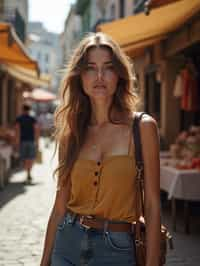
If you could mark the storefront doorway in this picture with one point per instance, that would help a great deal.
(152, 101)
(190, 110)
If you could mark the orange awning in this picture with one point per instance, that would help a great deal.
(139, 31)
(27, 75)
(12, 50)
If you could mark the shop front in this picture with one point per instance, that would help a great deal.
(18, 72)
(165, 47)
(155, 42)
(12, 55)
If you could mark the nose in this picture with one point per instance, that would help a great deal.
(99, 74)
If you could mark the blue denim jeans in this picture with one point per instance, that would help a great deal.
(75, 245)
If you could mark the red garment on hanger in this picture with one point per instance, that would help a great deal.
(189, 100)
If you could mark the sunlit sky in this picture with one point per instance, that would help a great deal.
(52, 13)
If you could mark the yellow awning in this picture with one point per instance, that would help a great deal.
(12, 50)
(139, 31)
(27, 75)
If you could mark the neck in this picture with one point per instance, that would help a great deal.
(100, 113)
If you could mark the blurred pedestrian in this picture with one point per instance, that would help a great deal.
(95, 204)
(27, 137)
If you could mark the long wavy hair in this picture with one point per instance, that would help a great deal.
(73, 115)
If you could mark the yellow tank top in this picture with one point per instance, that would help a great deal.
(104, 189)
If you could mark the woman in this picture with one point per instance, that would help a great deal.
(90, 223)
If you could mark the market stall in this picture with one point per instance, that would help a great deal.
(180, 172)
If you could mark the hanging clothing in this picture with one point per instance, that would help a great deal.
(190, 96)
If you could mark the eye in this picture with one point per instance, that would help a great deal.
(89, 68)
(110, 68)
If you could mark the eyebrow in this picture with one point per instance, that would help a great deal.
(105, 63)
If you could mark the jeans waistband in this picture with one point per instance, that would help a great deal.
(90, 222)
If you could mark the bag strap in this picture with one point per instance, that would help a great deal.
(137, 139)
(139, 175)
(139, 164)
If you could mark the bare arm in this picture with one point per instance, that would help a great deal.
(57, 214)
(150, 149)
(17, 135)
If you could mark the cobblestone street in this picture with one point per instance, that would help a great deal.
(24, 213)
(24, 210)
(186, 247)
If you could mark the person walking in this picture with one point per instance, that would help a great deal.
(27, 137)
(95, 204)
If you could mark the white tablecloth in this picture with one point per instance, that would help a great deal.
(6, 152)
(180, 184)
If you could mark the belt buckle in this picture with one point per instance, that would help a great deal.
(81, 220)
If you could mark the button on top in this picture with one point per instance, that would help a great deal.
(98, 163)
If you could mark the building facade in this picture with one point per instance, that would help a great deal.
(16, 13)
(71, 34)
(104, 11)
(45, 47)
(84, 16)
(20, 5)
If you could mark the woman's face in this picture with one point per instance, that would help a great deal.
(99, 77)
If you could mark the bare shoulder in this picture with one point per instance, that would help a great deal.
(148, 124)
(149, 134)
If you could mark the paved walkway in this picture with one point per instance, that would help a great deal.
(186, 247)
(24, 211)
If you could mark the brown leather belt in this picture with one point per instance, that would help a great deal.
(105, 225)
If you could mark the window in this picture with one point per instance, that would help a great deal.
(112, 11)
(121, 8)
(138, 6)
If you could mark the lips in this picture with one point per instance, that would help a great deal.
(99, 86)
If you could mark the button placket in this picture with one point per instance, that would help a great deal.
(96, 174)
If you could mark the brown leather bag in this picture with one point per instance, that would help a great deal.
(140, 227)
